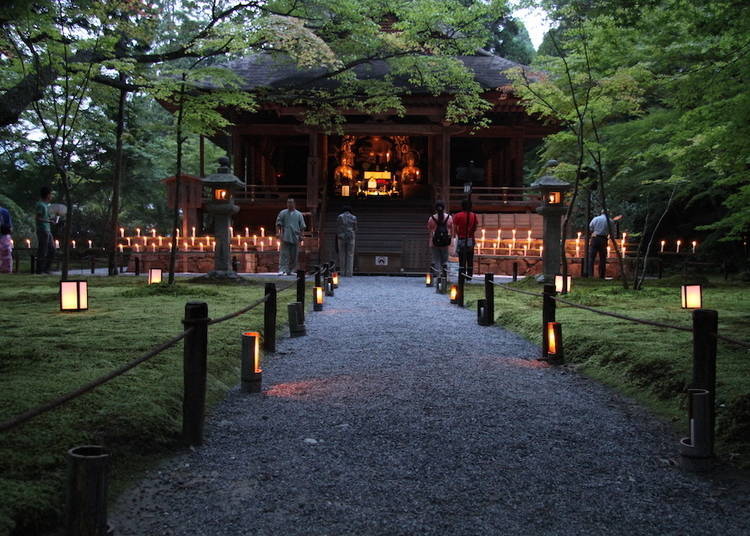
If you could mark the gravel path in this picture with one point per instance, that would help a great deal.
(397, 414)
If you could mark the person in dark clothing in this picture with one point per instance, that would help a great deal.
(45, 242)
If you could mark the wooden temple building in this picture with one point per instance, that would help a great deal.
(389, 168)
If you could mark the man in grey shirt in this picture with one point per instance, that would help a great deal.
(346, 229)
(289, 226)
(599, 228)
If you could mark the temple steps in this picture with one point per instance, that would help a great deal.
(386, 228)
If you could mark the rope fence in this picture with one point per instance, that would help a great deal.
(57, 402)
(620, 316)
(44, 408)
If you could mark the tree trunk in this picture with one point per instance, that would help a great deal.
(116, 180)
(68, 200)
(176, 215)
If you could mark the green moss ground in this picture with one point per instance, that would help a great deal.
(45, 353)
(652, 365)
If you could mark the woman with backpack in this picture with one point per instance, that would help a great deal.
(440, 226)
(465, 225)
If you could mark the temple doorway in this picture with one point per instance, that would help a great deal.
(378, 167)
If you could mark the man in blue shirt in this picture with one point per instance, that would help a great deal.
(599, 228)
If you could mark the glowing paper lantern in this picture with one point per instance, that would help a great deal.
(74, 295)
(691, 296)
(154, 276)
(454, 293)
(251, 372)
(428, 280)
(553, 340)
(317, 298)
(559, 283)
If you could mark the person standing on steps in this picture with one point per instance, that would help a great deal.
(440, 226)
(45, 242)
(599, 227)
(464, 227)
(289, 226)
(346, 230)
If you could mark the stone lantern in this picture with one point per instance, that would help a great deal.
(222, 207)
(553, 207)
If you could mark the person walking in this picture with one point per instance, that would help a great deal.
(6, 241)
(45, 243)
(464, 227)
(440, 226)
(599, 228)
(289, 226)
(346, 230)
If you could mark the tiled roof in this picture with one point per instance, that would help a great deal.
(276, 72)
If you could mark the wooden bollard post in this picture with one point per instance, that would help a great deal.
(705, 328)
(317, 276)
(137, 265)
(301, 292)
(269, 319)
(515, 272)
(86, 494)
(697, 450)
(461, 284)
(489, 297)
(194, 363)
(32, 264)
(93, 264)
(548, 314)
(296, 322)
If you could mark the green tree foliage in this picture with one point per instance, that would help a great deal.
(691, 125)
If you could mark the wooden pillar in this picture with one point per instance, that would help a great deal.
(313, 171)
(517, 152)
(445, 167)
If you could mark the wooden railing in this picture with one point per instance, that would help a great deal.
(271, 194)
(496, 196)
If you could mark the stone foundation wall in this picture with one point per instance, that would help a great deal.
(533, 265)
(202, 262)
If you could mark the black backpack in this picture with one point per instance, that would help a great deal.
(441, 237)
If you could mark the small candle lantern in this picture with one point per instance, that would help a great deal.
(74, 295)
(251, 374)
(328, 285)
(221, 194)
(691, 296)
(345, 191)
(559, 283)
(317, 298)
(428, 280)
(553, 339)
(335, 280)
(154, 276)
(454, 294)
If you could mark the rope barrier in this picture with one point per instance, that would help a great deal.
(35, 412)
(528, 293)
(622, 317)
(731, 341)
(27, 416)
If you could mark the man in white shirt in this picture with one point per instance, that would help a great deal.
(599, 228)
(289, 226)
